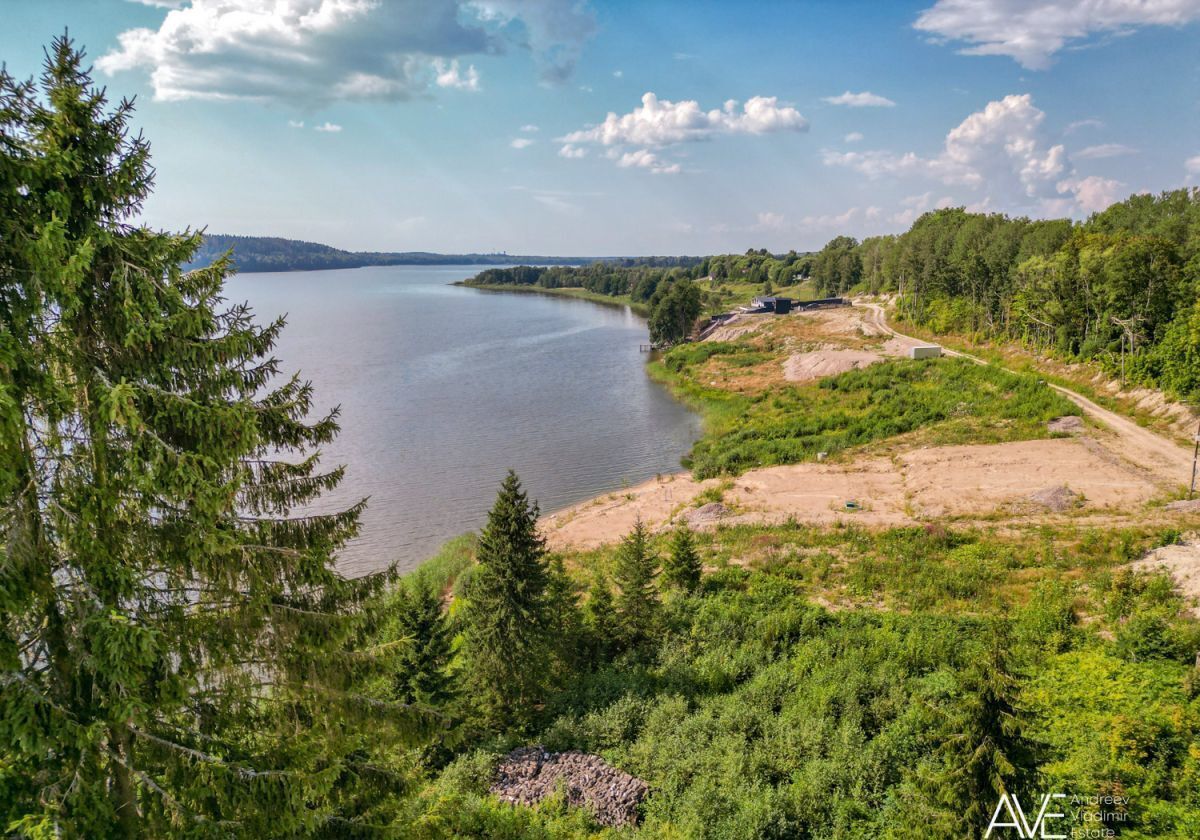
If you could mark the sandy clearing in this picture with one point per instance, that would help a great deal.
(738, 326)
(826, 361)
(915, 486)
(1182, 562)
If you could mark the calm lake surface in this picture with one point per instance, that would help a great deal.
(443, 388)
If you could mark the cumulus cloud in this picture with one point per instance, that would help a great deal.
(1104, 150)
(1192, 167)
(572, 152)
(521, 143)
(312, 52)
(529, 129)
(295, 123)
(1032, 32)
(866, 99)
(328, 128)
(646, 159)
(449, 76)
(660, 123)
(998, 151)
(1091, 194)
(853, 137)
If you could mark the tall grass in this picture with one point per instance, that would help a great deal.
(951, 400)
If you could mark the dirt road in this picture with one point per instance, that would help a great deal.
(1168, 463)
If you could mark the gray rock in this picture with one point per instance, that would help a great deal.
(528, 775)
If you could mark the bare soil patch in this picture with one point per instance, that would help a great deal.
(1182, 561)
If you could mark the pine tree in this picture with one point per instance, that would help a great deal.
(600, 619)
(505, 617)
(420, 674)
(682, 566)
(634, 573)
(175, 643)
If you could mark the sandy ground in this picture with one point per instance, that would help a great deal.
(1114, 466)
(1182, 561)
(912, 487)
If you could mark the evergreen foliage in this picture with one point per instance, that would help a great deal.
(681, 568)
(425, 640)
(176, 646)
(634, 571)
(506, 617)
(600, 619)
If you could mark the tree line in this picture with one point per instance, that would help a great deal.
(1122, 288)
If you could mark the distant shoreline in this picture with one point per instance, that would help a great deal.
(569, 292)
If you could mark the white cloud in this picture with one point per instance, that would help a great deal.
(1192, 165)
(328, 128)
(853, 137)
(1091, 194)
(159, 4)
(572, 152)
(866, 99)
(660, 122)
(998, 152)
(646, 159)
(448, 75)
(618, 74)
(999, 140)
(295, 123)
(1104, 150)
(529, 129)
(1032, 32)
(771, 221)
(521, 143)
(1079, 125)
(313, 52)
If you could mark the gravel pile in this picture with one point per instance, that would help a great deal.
(1057, 499)
(528, 775)
(1069, 425)
(708, 514)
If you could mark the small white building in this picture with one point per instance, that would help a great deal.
(924, 351)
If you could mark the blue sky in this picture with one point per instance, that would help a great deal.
(568, 127)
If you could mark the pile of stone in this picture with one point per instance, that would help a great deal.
(709, 514)
(1069, 425)
(528, 775)
(1057, 499)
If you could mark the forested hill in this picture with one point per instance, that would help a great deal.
(273, 253)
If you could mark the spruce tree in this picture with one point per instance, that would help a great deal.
(682, 568)
(564, 621)
(424, 636)
(505, 616)
(174, 639)
(600, 619)
(637, 601)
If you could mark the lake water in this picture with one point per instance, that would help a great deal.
(443, 388)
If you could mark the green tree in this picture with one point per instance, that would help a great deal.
(637, 601)
(601, 621)
(425, 643)
(505, 617)
(682, 565)
(567, 633)
(983, 749)
(175, 644)
(674, 314)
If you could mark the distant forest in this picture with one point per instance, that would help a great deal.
(273, 253)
